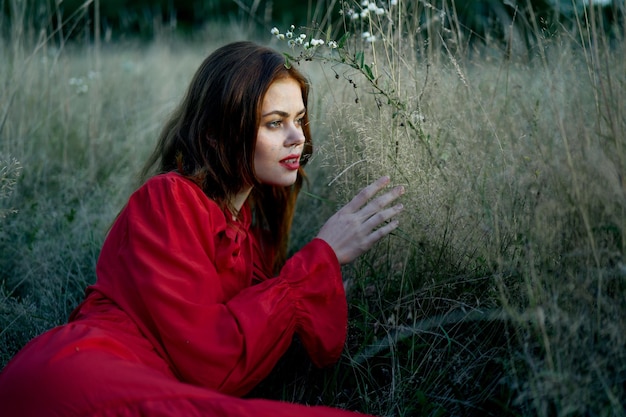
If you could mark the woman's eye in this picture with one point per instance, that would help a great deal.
(274, 124)
(300, 121)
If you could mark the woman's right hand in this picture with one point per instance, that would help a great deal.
(354, 229)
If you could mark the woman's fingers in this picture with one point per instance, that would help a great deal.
(380, 202)
(356, 227)
(383, 231)
(382, 216)
(366, 194)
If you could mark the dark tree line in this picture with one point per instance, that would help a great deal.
(479, 19)
(143, 17)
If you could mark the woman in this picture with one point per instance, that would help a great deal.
(194, 301)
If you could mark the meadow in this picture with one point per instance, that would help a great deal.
(502, 292)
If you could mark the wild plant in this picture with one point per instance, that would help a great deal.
(499, 295)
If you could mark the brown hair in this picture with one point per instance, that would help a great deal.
(211, 136)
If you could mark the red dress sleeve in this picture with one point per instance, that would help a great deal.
(183, 273)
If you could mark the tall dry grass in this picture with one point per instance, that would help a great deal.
(501, 294)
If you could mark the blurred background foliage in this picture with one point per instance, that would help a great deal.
(480, 19)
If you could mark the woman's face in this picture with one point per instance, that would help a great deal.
(280, 138)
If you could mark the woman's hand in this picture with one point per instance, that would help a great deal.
(354, 229)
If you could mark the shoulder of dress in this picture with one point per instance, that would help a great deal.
(172, 192)
(172, 179)
(175, 185)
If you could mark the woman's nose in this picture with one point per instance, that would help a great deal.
(296, 136)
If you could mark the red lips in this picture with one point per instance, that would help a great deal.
(291, 162)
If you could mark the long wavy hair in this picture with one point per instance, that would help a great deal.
(211, 137)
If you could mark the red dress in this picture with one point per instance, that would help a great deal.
(182, 319)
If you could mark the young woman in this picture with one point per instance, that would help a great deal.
(194, 301)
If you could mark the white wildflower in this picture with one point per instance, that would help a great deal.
(275, 31)
(80, 85)
(332, 45)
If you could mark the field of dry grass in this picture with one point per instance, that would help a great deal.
(500, 294)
